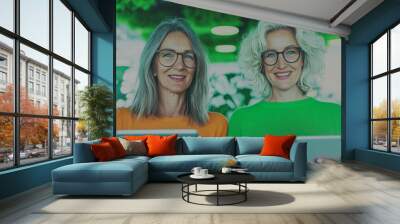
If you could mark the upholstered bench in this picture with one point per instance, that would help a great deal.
(118, 177)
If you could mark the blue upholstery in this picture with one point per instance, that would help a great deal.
(298, 154)
(257, 163)
(249, 145)
(208, 145)
(83, 153)
(126, 175)
(273, 176)
(184, 163)
(119, 177)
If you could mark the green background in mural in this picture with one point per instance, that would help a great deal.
(136, 20)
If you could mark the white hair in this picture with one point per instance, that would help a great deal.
(311, 44)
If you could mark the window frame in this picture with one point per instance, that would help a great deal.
(388, 74)
(16, 115)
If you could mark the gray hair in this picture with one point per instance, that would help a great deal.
(311, 44)
(145, 102)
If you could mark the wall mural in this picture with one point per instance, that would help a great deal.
(180, 67)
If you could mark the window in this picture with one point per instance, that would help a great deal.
(43, 77)
(7, 14)
(54, 125)
(3, 72)
(3, 61)
(30, 87)
(43, 90)
(38, 89)
(385, 94)
(30, 72)
(37, 74)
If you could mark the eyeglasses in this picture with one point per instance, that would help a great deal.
(168, 58)
(290, 54)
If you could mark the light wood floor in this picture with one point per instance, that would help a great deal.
(378, 188)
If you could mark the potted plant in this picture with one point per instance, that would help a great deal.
(96, 102)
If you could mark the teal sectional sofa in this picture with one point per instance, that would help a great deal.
(125, 176)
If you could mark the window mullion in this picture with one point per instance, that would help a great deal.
(73, 82)
(16, 70)
(50, 81)
(389, 101)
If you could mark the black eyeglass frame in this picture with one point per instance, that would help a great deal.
(301, 53)
(177, 56)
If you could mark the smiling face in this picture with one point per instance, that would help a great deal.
(283, 75)
(177, 77)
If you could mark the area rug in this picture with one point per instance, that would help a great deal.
(166, 198)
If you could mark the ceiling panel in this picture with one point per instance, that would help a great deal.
(319, 9)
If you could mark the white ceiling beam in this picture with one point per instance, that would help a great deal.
(265, 14)
(347, 12)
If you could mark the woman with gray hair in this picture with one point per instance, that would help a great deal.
(286, 65)
(172, 88)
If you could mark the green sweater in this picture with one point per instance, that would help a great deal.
(306, 117)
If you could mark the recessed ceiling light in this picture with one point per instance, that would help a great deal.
(225, 48)
(224, 30)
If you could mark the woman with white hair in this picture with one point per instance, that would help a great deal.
(286, 64)
(172, 88)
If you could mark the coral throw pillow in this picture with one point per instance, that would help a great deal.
(103, 152)
(277, 145)
(161, 145)
(116, 145)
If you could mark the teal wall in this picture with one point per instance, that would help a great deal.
(356, 75)
(99, 16)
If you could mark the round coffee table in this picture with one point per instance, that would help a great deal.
(238, 179)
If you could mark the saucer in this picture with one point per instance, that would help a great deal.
(208, 176)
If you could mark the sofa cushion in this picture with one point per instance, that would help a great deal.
(112, 171)
(116, 145)
(208, 145)
(161, 145)
(257, 163)
(277, 145)
(103, 151)
(185, 163)
(249, 145)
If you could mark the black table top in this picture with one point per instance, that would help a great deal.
(220, 178)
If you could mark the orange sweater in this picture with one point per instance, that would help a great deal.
(216, 126)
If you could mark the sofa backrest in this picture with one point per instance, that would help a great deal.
(83, 152)
(249, 145)
(207, 145)
(253, 145)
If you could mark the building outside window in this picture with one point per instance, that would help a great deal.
(34, 55)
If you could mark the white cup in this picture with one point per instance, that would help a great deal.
(203, 172)
(196, 170)
(226, 170)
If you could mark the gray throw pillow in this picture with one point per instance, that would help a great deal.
(137, 148)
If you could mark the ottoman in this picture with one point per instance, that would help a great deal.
(118, 177)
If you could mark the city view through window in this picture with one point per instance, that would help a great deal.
(41, 76)
(385, 82)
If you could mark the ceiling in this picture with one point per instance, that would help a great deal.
(329, 16)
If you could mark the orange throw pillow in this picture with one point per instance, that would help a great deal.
(116, 145)
(277, 145)
(103, 152)
(161, 145)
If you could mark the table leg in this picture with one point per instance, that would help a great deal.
(196, 188)
(217, 194)
(245, 193)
